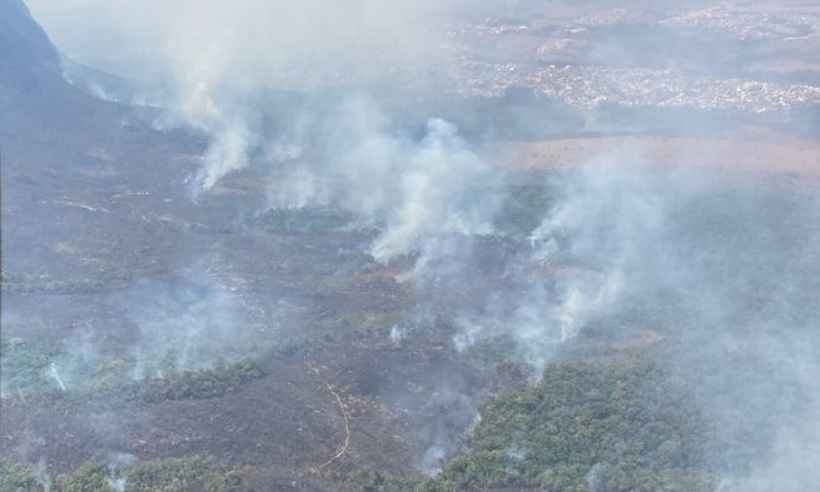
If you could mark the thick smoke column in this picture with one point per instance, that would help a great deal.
(210, 61)
(722, 267)
(424, 192)
(206, 60)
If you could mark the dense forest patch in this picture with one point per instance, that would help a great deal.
(613, 426)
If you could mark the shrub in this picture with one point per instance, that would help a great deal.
(89, 477)
(17, 478)
(621, 424)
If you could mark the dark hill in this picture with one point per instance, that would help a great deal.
(28, 59)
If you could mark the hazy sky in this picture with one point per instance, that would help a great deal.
(132, 37)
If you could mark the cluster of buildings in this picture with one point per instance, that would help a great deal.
(747, 25)
(568, 61)
(589, 86)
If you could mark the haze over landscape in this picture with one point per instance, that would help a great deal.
(410, 245)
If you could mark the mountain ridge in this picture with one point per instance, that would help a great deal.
(28, 58)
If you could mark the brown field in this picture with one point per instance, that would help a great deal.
(755, 151)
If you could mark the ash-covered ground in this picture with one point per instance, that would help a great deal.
(530, 246)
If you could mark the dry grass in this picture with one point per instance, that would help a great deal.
(754, 151)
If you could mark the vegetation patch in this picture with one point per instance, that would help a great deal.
(181, 474)
(199, 384)
(523, 209)
(89, 477)
(16, 478)
(29, 369)
(303, 220)
(24, 367)
(45, 284)
(187, 474)
(609, 426)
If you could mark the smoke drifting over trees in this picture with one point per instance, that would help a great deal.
(323, 199)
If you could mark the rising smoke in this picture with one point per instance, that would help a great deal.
(725, 266)
(721, 265)
(205, 62)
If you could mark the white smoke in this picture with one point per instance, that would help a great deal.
(211, 57)
(435, 196)
(54, 372)
(228, 152)
(579, 265)
(423, 192)
(427, 194)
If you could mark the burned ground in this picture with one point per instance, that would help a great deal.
(215, 342)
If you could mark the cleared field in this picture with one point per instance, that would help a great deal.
(757, 151)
